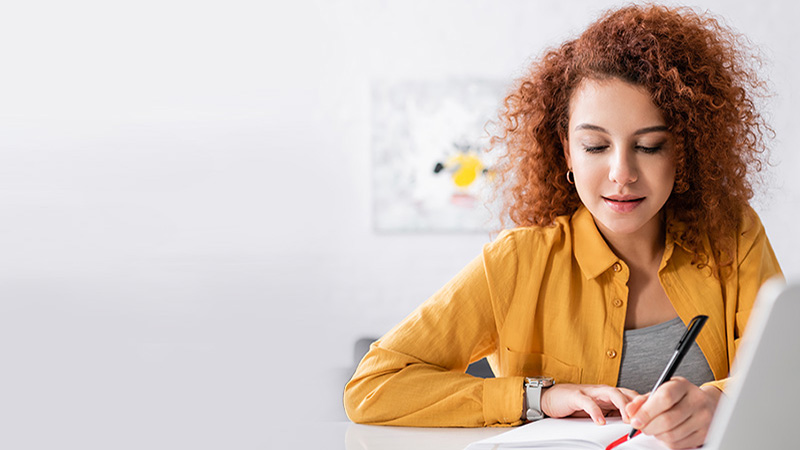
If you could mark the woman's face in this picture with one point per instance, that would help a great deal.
(622, 155)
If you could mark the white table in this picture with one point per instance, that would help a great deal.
(345, 435)
(372, 437)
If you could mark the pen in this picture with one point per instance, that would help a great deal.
(680, 351)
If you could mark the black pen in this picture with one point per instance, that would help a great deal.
(680, 351)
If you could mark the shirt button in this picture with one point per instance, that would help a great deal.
(617, 267)
(617, 302)
(611, 353)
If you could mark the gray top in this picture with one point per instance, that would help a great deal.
(646, 351)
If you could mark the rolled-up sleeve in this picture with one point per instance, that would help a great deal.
(415, 374)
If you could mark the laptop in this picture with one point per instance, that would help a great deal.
(761, 407)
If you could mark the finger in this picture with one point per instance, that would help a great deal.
(683, 437)
(620, 400)
(686, 418)
(692, 440)
(664, 398)
(633, 407)
(675, 422)
(609, 399)
(630, 393)
(606, 393)
(587, 404)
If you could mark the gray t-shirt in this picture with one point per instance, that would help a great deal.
(646, 351)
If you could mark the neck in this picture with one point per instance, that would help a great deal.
(641, 248)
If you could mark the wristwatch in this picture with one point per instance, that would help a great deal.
(533, 396)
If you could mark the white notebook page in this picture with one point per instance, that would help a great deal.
(567, 433)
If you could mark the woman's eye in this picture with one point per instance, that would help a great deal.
(595, 148)
(646, 149)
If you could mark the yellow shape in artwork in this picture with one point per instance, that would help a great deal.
(468, 167)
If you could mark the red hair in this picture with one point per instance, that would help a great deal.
(698, 75)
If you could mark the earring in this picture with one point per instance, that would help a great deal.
(570, 177)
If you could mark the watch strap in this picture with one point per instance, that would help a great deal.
(533, 397)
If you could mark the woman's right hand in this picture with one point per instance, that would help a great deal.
(582, 400)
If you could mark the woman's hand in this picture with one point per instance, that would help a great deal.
(580, 400)
(678, 413)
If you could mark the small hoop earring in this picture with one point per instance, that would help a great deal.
(570, 177)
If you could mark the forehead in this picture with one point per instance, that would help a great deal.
(613, 104)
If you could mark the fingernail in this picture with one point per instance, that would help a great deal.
(601, 421)
(636, 423)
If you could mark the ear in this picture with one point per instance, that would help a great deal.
(565, 145)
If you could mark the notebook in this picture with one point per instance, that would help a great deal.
(567, 434)
(759, 410)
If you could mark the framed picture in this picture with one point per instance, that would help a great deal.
(430, 167)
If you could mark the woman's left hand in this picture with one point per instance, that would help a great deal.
(678, 413)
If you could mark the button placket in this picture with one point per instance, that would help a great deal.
(617, 301)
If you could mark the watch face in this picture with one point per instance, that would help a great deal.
(539, 381)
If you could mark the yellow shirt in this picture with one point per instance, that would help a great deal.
(542, 301)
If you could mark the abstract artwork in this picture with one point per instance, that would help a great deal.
(430, 168)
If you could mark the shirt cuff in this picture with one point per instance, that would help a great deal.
(502, 401)
(719, 384)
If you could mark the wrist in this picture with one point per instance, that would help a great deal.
(545, 402)
(712, 392)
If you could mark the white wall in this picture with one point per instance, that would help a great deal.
(187, 254)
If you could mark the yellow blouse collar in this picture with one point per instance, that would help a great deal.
(593, 253)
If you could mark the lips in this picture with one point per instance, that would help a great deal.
(623, 204)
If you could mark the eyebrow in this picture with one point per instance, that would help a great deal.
(653, 129)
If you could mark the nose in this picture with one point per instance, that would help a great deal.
(622, 167)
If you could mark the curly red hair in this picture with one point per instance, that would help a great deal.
(699, 76)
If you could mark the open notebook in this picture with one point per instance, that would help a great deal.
(567, 434)
(760, 408)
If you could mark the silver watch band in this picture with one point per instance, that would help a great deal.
(533, 396)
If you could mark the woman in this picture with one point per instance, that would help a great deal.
(628, 156)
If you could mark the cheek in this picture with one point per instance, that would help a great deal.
(668, 175)
(588, 172)
(588, 180)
